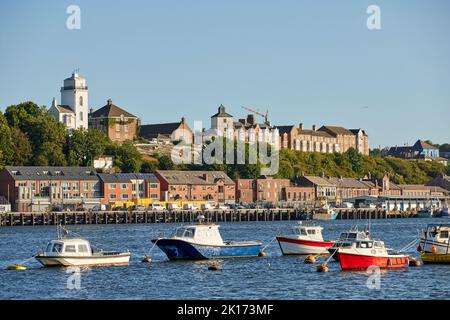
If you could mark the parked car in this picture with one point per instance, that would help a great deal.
(137, 207)
(347, 205)
(173, 206)
(99, 207)
(190, 206)
(156, 206)
(222, 207)
(207, 206)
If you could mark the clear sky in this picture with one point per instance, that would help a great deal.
(313, 62)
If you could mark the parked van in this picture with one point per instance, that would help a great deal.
(190, 206)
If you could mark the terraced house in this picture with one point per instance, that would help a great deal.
(211, 186)
(43, 188)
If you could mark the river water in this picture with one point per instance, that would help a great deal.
(271, 277)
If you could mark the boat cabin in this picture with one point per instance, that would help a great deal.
(201, 234)
(68, 247)
(437, 232)
(354, 235)
(309, 231)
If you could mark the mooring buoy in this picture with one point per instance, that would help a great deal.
(146, 260)
(310, 259)
(16, 267)
(322, 268)
(214, 267)
(414, 262)
(261, 254)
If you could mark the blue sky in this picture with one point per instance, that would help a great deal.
(313, 62)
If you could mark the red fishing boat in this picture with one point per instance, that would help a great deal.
(368, 253)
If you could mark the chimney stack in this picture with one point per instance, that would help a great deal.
(300, 126)
(314, 127)
(109, 102)
(251, 119)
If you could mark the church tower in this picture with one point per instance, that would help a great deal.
(74, 94)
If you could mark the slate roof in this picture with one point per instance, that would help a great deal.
(110, 110)
(150, 131)
(315, 133)
(284, 129)
(336, 130)
(351, 183)
(127, 177)
(51, 173)
(221, 113)
(423, 145)
(194, 177)
(319, 181)
(64, 109)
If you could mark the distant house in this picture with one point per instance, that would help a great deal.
(175, 131)
(119, 125)
(420, 150)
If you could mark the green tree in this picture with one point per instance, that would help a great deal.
(165, 163)
(21, 147)
(5, 141)
(84, 145)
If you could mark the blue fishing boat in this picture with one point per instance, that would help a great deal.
(203, 241)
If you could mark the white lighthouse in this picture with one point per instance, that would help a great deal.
(73, 111)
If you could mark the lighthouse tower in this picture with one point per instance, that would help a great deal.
(74, 95)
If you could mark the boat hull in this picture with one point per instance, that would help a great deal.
(432, 258)
(176, 249)
(292, 246)
(440, 247)
(97, 261)
(350, 261)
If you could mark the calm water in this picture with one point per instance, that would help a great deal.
(271, 277)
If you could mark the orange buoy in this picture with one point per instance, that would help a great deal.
(261, 254)
(214, 267)
(322, 268)
(146, 260)
(310, 259)
(414, 262)
(433, 249)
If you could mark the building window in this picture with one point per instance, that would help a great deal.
(85, 186)
(112, 196)
(81, 115)
(125, 128)
(81, 104)
(117, 127)
(154, 196)
(124, 196)
(153, 185)
(124, 186)
(112, 185)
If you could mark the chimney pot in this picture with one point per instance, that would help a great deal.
(300, 126)
(314, 127)
(109, 102)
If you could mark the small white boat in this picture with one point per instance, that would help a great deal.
(68, 252)
(435, 244)
(307, 239)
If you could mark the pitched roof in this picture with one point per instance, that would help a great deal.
(348, 183)
(319, 181)
(355, 131)
(110, 110)
(154, 130)
(221, 113)
(127, 177)
(284, 129)
(64, 109)
(194, 177)
(336, 130)
(424, 145)
(315, 133)
(51, 173)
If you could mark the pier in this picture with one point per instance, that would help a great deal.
(183, 216)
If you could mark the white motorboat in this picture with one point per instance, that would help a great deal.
(307, 239)
(67, 252)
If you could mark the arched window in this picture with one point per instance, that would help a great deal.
(81, 101)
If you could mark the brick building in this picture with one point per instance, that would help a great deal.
(119, 125)
(324, 190)
(42, 188)
(168, 132)
(212, 186)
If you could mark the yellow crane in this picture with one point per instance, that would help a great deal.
(265, 116)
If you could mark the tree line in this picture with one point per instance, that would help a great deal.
(29, 135)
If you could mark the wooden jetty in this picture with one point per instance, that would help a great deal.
(182, 216)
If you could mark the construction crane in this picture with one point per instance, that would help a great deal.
(265, 116)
